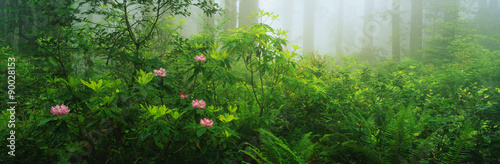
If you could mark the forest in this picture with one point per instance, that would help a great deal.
(250, 81)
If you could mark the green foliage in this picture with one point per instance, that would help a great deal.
(255, 154)
(274, 150)
(93, 85)
(260, 48)
(305, 147)
(266, 106)
(145, 77)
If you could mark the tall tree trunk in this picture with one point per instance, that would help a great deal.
(230, 7)
(246, 9)
(396, 41)
(308, 34)
(416, 28)
(340, 26)
(368, 25)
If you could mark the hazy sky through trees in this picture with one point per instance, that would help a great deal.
(326, 19)
(354, 31)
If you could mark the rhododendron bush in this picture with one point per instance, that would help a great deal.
(143, 93)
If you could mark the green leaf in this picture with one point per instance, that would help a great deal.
(165, 129)
(73, 82)
(144, 93)
(233, 133)
(201, 131)
(196, 72)
(93, 85)
(158, 142)
(227, 117)
(90, 124)
(176, 114)
(145, 77)
(44, 121)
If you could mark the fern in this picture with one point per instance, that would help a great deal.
(400, 131)
(274, 150)
(305, 146)
(458, 153)
(255, 154)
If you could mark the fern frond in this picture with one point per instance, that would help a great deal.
(255, 153)
(277, 150)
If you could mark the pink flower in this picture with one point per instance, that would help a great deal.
(183, 96)
(198, 104)
(59, 110)
(200, 58)
(302, 68)
(205, 122)
(162, 72)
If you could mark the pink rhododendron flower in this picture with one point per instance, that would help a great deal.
(206, 122)
(162, 72)
(200, 58)
(183, 96)
(302, 68)
(194, 103)
(198, 104)
(59, 110)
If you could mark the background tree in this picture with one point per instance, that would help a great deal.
(137, 31)
(416, 27)
(489, 22)
(396, 38)
(447, 28)
(246, 9)
(308, 34)
(230, 13)
(21, 21)
(204, 20)
(450, 16)
(368, 25)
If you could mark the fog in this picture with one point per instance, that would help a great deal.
(359, 20)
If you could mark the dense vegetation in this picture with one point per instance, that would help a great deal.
(142, 93)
